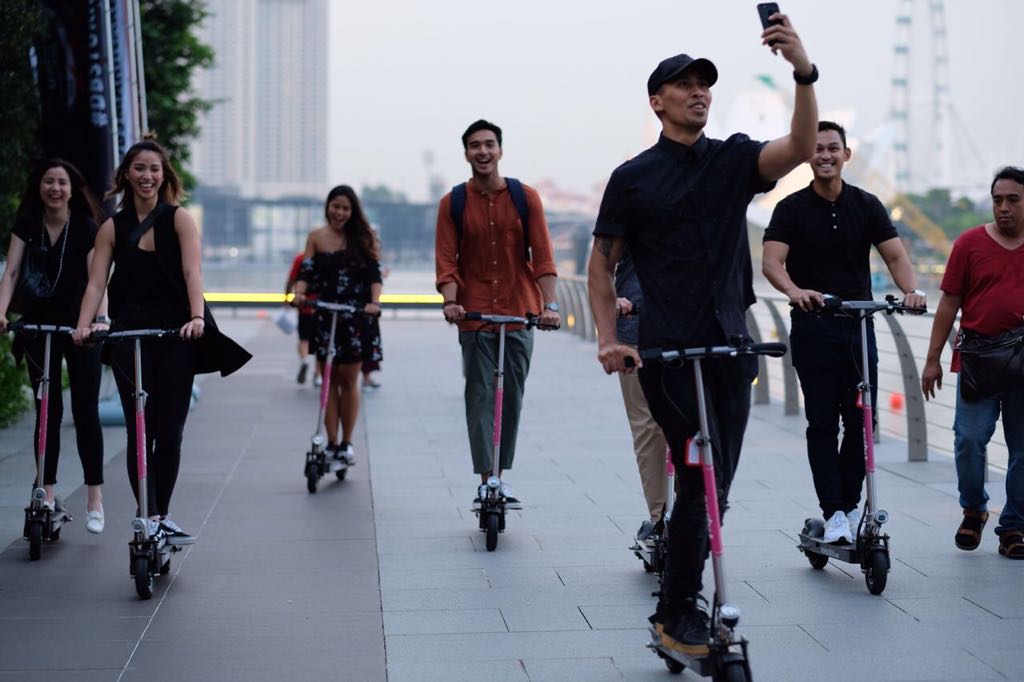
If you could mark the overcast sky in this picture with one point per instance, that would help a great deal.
(566, 79)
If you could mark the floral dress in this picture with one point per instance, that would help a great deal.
(344, 277)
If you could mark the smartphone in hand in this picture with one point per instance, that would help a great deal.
(765, 10)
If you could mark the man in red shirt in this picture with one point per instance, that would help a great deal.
(484, 268)
(984, 280)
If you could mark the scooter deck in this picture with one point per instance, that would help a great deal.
(705, 666)
(848, 553)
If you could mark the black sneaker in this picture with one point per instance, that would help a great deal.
(343, 453)
(174, 534)
(303, 369)
(689, 633)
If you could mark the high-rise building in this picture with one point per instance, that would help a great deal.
(266, 135)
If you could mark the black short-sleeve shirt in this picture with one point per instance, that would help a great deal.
(682, 212)
(72, 266)
(830, 242)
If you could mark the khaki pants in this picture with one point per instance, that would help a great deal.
(648, 444)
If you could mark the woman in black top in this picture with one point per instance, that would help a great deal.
(59, 214)
(157, 284)
(342, 265)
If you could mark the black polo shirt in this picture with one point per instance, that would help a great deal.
(682, 212)
(830, 241)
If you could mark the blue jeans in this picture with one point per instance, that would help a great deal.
(973, 427)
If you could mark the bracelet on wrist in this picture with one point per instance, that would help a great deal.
(448, 303)
(198, 317)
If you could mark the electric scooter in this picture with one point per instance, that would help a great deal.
(317, 463)
(149, 551)
(493, 506)
(652, 549)
(727, 659)
(871, 546)
(42, 524)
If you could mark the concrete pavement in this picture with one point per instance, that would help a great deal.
(384, 576)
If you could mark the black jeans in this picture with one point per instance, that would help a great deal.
(84, 376)
(827, 356)
(168, 368)
(672, 397)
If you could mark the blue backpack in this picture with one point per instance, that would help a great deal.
(515, 191)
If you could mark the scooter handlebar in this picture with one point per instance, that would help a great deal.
(530, 321)
(889, 306)
(338, 307)
(679, 355)
(106, 335)
(19, 326)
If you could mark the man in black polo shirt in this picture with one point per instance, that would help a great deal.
(680, 207)
(819, 242)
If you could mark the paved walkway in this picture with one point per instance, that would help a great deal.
(384, 576)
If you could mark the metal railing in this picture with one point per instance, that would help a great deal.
(902, 345)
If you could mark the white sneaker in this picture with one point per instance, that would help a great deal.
(94, 521)
(318, 381)
(853, 518)
(837, 528)
(510, 500)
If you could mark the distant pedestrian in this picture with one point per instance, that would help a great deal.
(984, 282)
(305, 326)
(342, 265)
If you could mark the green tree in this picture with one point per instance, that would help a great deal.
(18, 115)
(172, 51)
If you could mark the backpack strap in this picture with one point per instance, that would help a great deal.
(516, 193)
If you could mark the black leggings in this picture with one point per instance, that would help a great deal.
(168, 368)
(84, 375)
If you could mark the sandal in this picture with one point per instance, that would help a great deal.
(968, 535)
(1011, 544)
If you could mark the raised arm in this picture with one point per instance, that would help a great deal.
(782, 155)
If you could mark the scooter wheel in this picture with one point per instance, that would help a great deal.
(735, 671)
(165, 568)
(340, 473)
(877, 573)
(55, 535)
(492, 531)
(143, 579)
(817, 561)
(647, 566)
(674, 666)
(35, 540)
(312, 477)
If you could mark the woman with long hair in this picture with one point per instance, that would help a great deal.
(157, 283)
(342, 265)
(58, 213)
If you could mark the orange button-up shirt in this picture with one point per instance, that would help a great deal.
(489, 266)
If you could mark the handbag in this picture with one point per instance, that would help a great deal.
(990, 364)
(34, 286)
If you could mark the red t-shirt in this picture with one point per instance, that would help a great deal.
(990, 280)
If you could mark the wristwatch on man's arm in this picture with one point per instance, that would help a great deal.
(552, 306)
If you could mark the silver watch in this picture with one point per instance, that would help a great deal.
(102, 319)
(916, 292)
(553, 306)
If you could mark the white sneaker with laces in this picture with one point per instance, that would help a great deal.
(837, 528)
(853, 518)
(94, 521)
(510, 500)
(175, 535)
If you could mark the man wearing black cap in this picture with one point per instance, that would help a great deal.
(680, 207)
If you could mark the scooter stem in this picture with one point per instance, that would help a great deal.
(869, 425)
(44, 413)
(707, 463)
(140, 431)
(325, 385)
(499, 396)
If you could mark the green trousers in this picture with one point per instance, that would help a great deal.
(479, 355)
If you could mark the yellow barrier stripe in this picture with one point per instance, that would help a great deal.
(263, 297)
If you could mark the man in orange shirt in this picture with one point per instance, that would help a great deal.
(493, 265)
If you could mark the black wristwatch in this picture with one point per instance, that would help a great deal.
(553, 306)
(809, 79)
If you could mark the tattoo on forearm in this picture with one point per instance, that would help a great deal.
(604, 245)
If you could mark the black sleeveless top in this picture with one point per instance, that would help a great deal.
(148, 289)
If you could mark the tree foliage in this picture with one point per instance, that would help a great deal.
(954, 217)
(19, 114)
(172, 51)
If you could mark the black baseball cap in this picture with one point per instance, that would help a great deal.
(669, 69)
